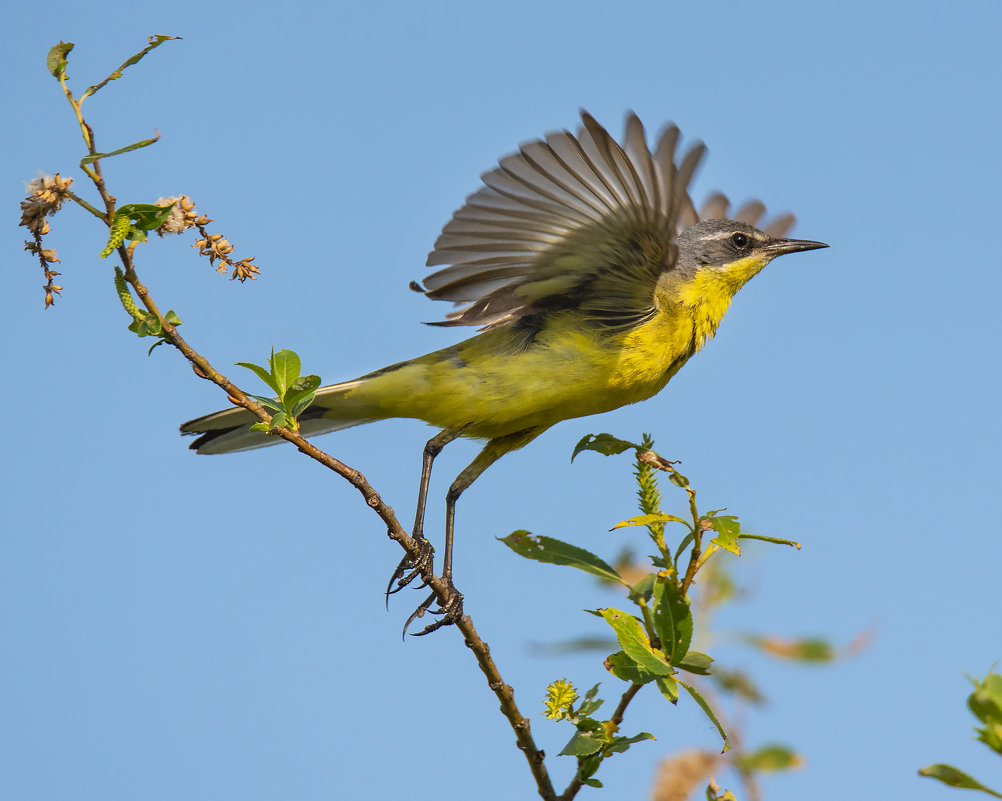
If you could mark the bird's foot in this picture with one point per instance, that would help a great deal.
(450, 613)
(411, 568)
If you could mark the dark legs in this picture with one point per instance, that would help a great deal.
(452, 610)
(409, 569)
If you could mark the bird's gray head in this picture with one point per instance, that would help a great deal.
(719, 244)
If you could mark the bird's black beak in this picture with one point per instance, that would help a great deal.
(783, 246)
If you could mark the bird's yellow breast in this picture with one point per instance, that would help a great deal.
(494, 385)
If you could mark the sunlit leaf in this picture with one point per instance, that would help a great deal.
(709, 712)
(556, 552)
(606, 444)
(956, 778)
(672, 619)
(635, 643)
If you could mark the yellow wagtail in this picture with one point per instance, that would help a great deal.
(593, 280)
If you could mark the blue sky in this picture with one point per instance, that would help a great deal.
(184, 627)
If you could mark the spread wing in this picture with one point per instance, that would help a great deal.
(569, 221)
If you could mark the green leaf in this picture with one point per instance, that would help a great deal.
(678, 480)
(709, 712)
(771, 758)
(154, 42)
(134, 146)
(806, 649)
(172, 318)
(775, 540)
(299, 389)
(695, 662)
(285, 367)
(687, 540)
(260, 427)
(986, 704)
(261, 373)
(643, 588)
(672, 619)
(590, 707)
(271, 404)
(728, 529)
(738, 683)
(956, 778)
(303, 403)
(56, 59)
(606, 444)
(280, 420)
(635, 643)
(668, 687)
(646, 520)
(147, 326)
(619, 744)
(623, 667)
(555, 552)
(582, 744)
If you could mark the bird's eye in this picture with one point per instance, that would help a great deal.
(740, 240)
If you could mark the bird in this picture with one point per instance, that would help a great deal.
(592, 279)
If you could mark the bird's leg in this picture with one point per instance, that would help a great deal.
(452, 609)
(410, 568)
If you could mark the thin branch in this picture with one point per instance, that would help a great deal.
(481, 650)
(519, 723)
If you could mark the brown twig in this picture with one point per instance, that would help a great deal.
(481, 650)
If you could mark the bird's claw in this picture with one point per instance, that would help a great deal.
(412, 567)
(450, 613)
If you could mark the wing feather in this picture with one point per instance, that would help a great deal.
(569, 221)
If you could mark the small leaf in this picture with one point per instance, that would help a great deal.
(635, 643)
(620, 744)
(644, 588)
(260, 427)
(261, 373)
(668, 687)
(590, 706)
(555, 552)
(771, 758)
(672, 619)
(728, 529)
(687, 540)
(646, 520)
(709, 712)
(56, 59)
(271, 404)
(775, 540)
(678, 480)
(280, 420)
(300, 388)
(738, 683)
(581, 745)
(623, 667)
(285, 367)
(172, 318)
(695, 662)
(606, 444)
(956, 778)
(806, 649)
(134, 146)
(303, 403)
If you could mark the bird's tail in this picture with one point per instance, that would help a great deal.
(228, 431)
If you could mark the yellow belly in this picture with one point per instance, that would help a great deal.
(568, 371)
